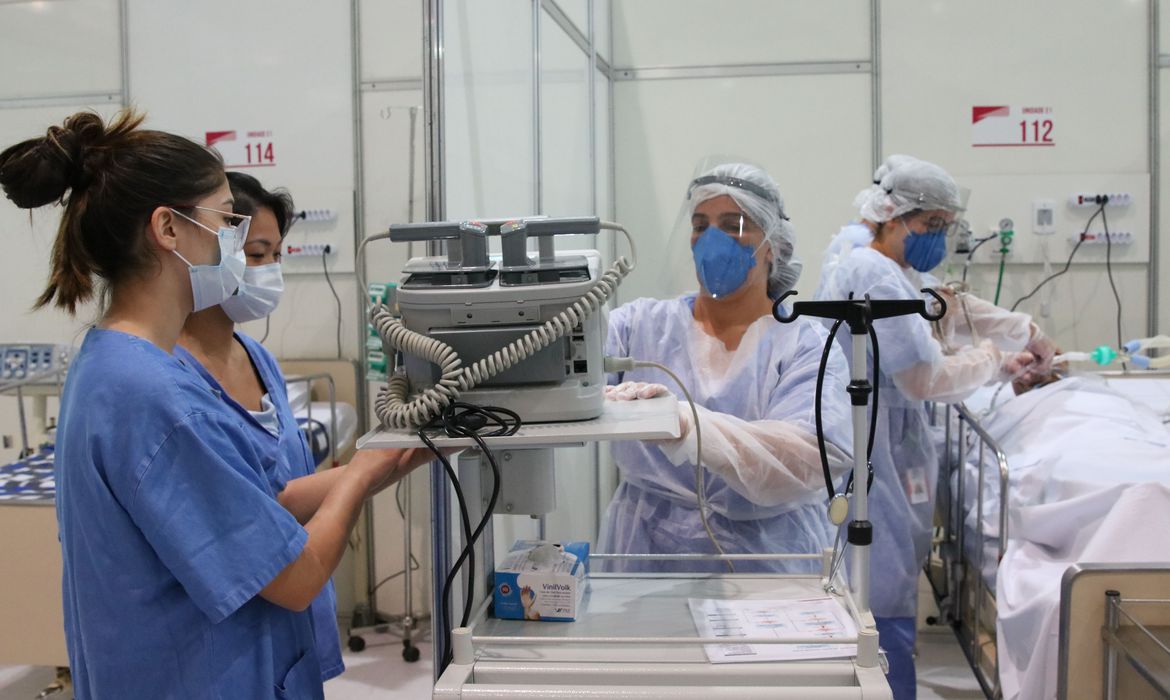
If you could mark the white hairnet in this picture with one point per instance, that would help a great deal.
(758, 196)
(889, 164)
(908, 185)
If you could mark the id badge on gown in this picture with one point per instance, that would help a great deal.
(917, 488)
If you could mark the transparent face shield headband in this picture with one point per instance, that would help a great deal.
(735, 224)
(739, 184)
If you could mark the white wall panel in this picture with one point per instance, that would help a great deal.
(1163, 25)
(488, 99)
(1093, 73)
(203, 79)
(386, 145)
(1083, 312)
(1091, 69)
(578, 13)
(29, 240)
(60, 48)
(564, 128)
(700, 33)
(28, 237)
(391, 39)
(811, 133)
(604, 148)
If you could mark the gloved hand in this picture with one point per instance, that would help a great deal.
(1042, 347)
(1015, 364)
(631, 391)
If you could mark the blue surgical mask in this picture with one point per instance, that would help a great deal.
(924, 251)
(721, 262)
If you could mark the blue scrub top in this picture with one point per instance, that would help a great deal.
(169, 529)
(294, 462)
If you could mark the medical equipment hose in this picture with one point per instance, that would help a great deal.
(393, 405)
(700, 480)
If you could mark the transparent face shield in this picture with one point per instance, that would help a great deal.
(669, 268)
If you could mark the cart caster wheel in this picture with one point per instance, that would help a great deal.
(356, 644)
(410, 653)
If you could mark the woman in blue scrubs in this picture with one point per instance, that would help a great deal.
(186, 573)
(250, 377)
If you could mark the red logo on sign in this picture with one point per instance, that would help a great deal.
(505, 589)
(978, 114)
(214, 137)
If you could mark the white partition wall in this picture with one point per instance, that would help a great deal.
(785, 85)
(788, 85)
(1093, 74)
(260, 75)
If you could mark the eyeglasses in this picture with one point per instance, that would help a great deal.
(940, 223)
(238, 223)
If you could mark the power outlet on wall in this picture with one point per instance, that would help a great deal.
(306, 250)
(1086, 200)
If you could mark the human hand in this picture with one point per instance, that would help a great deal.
(632, 391)
(1044, 349)
(1015, 364)
(381, 468)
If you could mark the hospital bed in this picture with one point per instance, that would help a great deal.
(31, 616)
(1078, 471)
(323, 398)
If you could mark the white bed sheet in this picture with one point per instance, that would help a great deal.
(1089, 461)
(346, 424)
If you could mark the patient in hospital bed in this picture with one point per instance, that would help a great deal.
(1089, 464)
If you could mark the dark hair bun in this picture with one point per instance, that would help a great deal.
(39, 171)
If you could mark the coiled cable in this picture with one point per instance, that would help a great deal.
(394, 406)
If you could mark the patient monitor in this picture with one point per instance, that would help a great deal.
(522, 330)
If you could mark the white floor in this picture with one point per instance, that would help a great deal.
(942, 669)
(380, 672)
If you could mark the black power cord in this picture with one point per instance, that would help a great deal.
(465, 420)
(1109, 272)
(1081, 239)
(821, 370)
(971, 253)
(329, 280)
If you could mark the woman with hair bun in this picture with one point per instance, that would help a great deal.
(187, 574)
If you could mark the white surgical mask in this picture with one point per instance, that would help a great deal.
(214, 284)
(258, 295)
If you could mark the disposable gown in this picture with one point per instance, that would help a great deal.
(764, 482)
(905, 463)
(969, 318)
